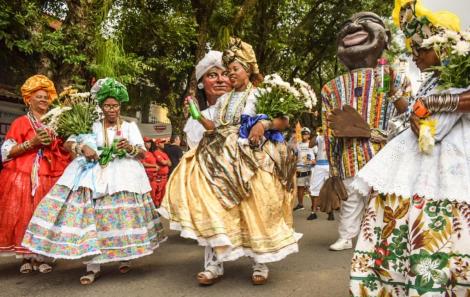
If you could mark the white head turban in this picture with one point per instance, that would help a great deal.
(211, 59)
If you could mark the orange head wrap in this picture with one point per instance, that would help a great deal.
(36, 83)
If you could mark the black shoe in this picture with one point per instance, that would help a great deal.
(299, 207)
(312, 216)
(331, 217)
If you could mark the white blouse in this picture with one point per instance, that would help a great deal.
(126, 174)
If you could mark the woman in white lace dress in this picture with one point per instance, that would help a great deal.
(415, 235)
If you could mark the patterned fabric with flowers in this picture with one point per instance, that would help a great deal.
(412, 247)
(71, 225)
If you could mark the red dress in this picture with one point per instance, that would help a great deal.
(17, 202)
(162, 175)
(151, 173)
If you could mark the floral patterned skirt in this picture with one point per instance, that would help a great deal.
(412, 247)
(71, 225)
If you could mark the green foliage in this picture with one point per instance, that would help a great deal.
(277, 103)
(455, 73)
(154, 44)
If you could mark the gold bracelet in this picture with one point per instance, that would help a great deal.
(26, 146)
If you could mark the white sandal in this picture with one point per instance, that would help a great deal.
(208, 277)
(26, 268)
(89, 278)
(260, 274)
(43, 268)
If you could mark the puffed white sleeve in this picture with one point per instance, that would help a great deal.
(135, 137)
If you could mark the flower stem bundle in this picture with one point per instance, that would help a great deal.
(74, 114)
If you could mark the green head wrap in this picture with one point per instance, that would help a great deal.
(109, 88)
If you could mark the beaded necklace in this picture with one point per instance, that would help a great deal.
(223, 112)
(105, 132)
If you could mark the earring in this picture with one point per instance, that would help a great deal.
(200, 86)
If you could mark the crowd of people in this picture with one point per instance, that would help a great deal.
(235, 197)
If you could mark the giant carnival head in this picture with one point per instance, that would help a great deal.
(362, 40)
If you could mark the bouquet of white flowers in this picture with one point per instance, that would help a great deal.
(453, 48)
(73, 114)
(279, 98)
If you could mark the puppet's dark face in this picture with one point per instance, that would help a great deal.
(362, 40)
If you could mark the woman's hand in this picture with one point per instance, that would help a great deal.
(186, 106)
(280, 124)
(89, 153)
(256, 133)
(41, 138)
(124, 144)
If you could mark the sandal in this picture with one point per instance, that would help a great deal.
(207, 278)
(89, 278)
(260, 274)
(26, 267)
(124, 267)
(42, 267)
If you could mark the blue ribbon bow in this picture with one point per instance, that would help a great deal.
(247, 122)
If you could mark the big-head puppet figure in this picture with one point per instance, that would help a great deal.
(356, 110)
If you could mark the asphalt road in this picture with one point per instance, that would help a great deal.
(172, 269)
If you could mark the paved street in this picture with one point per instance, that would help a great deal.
(171, 272)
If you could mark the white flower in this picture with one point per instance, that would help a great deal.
(304, 92)
(313, 97)
(440, 39)
(308, 104)
(452, 35)
(300, 82)
(52, 116)
(465, 35)
(425, 268)
(294, 92)
(283, 85)
(429, 42)
(461, 48)
(281, 100)
(434, 39)
(272, 78)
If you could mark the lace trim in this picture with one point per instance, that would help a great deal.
(6, 149)
(232, 253)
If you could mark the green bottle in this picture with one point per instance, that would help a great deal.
(384, 76)
(193, 109)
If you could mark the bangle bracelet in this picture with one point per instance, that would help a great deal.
(134, 152)
(78, 149)
(25, 146)
(73, 148)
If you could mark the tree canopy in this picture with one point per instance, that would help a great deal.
(153, 45)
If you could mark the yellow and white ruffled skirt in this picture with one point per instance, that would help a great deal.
(260, 226)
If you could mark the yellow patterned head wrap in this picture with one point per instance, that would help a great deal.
(419, 23)
(36, 83)
(241, 52)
